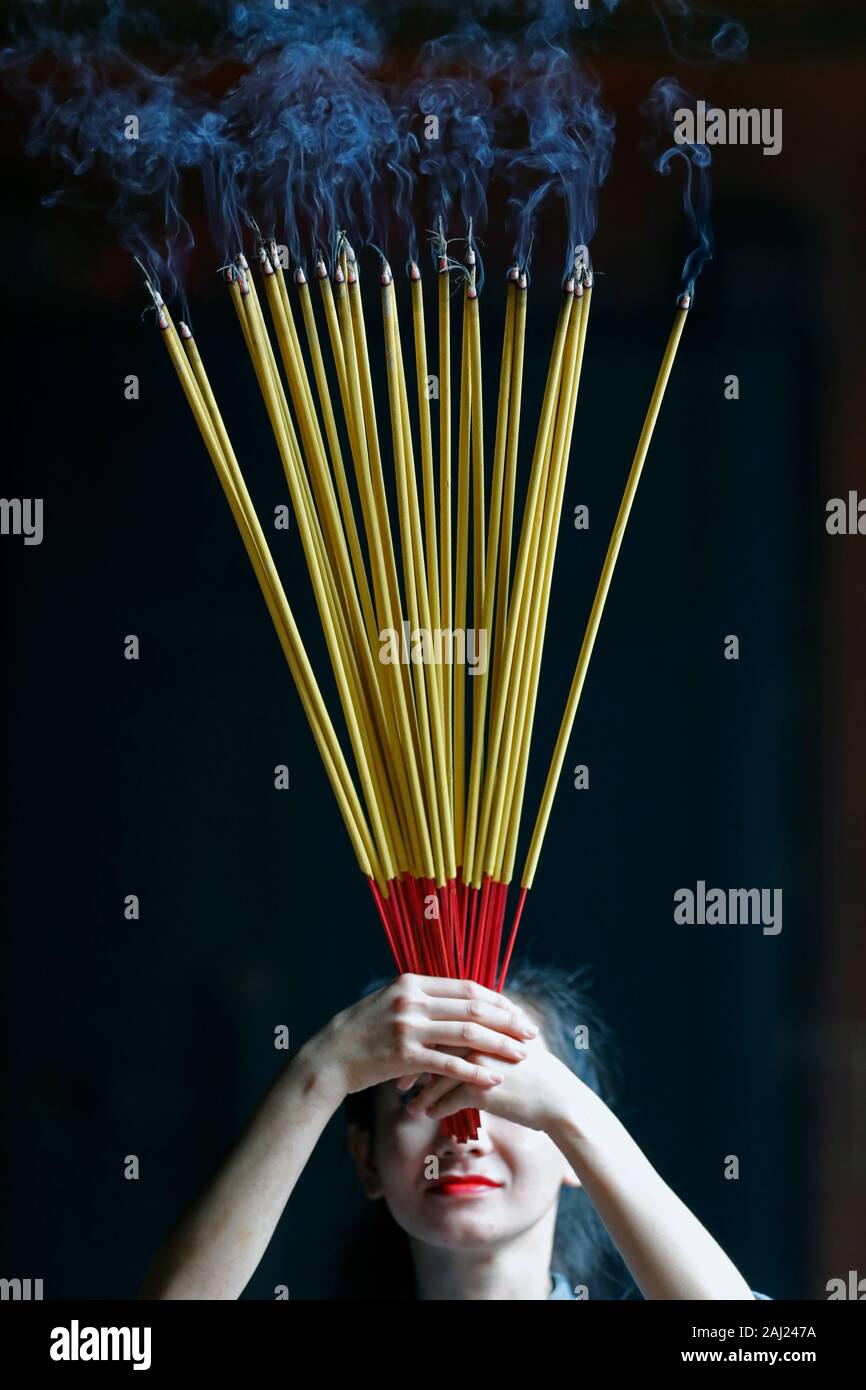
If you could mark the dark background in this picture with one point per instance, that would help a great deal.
(155, 777)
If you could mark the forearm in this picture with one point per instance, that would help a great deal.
(215, 1249)
(669, 1253)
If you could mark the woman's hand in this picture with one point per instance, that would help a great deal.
(422, 1024)
(533, 1092)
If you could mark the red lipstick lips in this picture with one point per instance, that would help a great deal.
(462, 1185)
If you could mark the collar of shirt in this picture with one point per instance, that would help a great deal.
(561, 1286)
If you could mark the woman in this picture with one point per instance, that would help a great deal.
(525, 1211)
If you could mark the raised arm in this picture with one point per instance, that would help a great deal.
(667, 1250)
(669, 1253)
(215, 1248)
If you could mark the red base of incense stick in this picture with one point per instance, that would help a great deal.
(453, 931)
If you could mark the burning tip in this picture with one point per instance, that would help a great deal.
(685, 300)
(414, 272)
(386, 277)
(588, 278)
(578, 289)
(339, 277)
(229, 273)
(470, 255)
(321, 269)
(568, 287)
(351, 273)
(472, 292)
(513, 273)
(242, 261)
(154, 293)
(184, 331)
(443, 264)
(300, 277)
(522, 280)
(162, 321)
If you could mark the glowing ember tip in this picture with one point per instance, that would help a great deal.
(414, 272)
(443, 264)
(184, 332)
(685, 300)
(386, 277)
(514, 273)
(522, 280)
(321, 269)
(162, 321)
(242, 261)
(569, 285)
(338, 274)
(472, 292)
(300, 277)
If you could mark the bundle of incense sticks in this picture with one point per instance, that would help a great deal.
(441, 760)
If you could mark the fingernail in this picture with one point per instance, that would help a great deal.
(531, 1029)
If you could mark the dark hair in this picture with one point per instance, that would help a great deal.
(377, 1261)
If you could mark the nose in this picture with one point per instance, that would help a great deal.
(482, 1145)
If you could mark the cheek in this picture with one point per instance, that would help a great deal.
(403, 1147)
(404, 1152)
(535, 1165)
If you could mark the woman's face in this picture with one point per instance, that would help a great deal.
(458, 1195)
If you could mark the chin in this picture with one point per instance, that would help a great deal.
(462, 1222)
(458, 1230)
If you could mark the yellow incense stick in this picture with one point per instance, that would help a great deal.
(601, 593)
(281, 615)
(324, 587)
(523, 609)
(445, 569)
(337, 463)
(521, 737)
(486, 629)
(431, 868)
(461, 569)
(498, 711)
(406, 745)
(424, 572)
(514, 407)
(431, 819)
